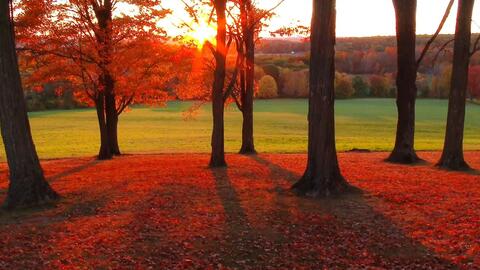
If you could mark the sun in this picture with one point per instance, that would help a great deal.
(201, 33)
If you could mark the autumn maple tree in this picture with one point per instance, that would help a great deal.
(27, 183)
(110, 58)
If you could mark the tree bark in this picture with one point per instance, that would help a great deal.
(27, 186)
(248, 147)
(452, 155)
(322, 176)
(404, 152)
(217, 158)
(112, 119)
(104, 153)
(104, 15)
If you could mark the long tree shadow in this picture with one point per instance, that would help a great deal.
(283, 196)
(73, 170)
(63, 174)
(26, 213)
(276, 172)
(36, 231)
(356, 221)
(241, 241)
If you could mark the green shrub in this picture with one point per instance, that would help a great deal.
(361, 87)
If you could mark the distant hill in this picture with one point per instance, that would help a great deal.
(301, 45)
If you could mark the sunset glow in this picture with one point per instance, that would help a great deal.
(355, 18)
(201, 33)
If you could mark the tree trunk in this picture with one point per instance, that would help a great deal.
(104, 152)
(113, 135)
(28, 186)
(322, 176)
(104, 15)
(112, 120)
(452, 155)
(248, 147)
(217, 158)
(404, 151)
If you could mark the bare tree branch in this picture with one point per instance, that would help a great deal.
(439, 29)
(476, 46)
(442, 48)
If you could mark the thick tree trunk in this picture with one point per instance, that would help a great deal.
(113, 135)
(104, 152)
(248, 147)
(452, 155)
(28, 186)
(217, 158)
(109, 119)
(322, 176)
(404, 151)
(112, 121)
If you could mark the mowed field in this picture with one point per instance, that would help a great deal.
(280, 127)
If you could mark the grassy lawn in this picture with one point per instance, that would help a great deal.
(280, 127)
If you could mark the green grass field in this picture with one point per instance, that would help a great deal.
(280, 127)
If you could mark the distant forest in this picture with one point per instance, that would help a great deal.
(366, 67)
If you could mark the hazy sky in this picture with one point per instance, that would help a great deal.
(355, 17)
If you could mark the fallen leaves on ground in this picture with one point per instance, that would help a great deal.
(172, 212)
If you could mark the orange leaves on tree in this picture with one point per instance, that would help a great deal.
(61, 44)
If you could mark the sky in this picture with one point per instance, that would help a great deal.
(355, 18)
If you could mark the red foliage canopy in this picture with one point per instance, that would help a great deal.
(60, 43)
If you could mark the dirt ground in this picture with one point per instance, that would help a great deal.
(172, 212)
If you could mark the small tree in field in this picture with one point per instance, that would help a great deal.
(28, 186)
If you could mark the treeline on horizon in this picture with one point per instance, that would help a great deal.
(366, 67)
